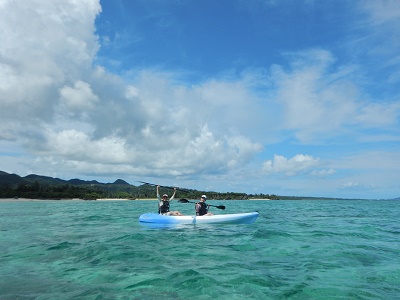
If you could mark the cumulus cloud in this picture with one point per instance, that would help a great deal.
(298, 164)
(82, 117)
(79, 97)
(45, 45)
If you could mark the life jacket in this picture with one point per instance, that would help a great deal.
(203, 209)
(163, 207)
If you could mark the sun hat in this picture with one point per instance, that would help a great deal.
(204, 196)
(165, 195)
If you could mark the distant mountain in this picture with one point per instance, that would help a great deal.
(44, 187)
(120, 181)
(82, 182)
(11, 179)
(36, 186)
(44, 179)
(14, 180)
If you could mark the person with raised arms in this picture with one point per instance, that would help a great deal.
(202, 207)
(163, 204)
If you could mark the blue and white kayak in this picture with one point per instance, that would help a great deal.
(241, 218)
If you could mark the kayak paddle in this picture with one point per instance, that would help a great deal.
(163, 186)
(187, 201)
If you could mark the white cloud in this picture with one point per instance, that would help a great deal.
(373, 161)
(382, 11)
(357, 186)
(323, 172)
(78, 146)
(320, 102)
(45, 45)
(316, 103)
(298, 164)
(379, 47)
(379, 114)
(131, 92)
(81, 117)
(79, 97)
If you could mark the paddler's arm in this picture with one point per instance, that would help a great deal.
(173, 195)
(158, 194)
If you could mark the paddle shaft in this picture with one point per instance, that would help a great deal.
(163, 186)
(187, 201)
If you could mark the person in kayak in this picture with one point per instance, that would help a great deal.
(163, 204)
(202, 207)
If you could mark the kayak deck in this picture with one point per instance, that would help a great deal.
(241, 218)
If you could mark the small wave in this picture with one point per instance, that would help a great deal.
(63, 245)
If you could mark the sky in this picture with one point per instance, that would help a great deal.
(294, 98)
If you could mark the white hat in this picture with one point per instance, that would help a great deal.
(165, 195)
(204, 196)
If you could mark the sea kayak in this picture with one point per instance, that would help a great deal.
(241, 218)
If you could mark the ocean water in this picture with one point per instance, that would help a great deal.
(342, 249)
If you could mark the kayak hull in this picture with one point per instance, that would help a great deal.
(241, 218)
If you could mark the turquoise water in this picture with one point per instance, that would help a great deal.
(295, 250)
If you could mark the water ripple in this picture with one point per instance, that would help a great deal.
(295, 250)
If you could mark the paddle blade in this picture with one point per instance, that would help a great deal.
(183, 200)
(220, 207)
(144, 182)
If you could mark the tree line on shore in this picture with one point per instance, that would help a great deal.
(37, 190)
(43, 187)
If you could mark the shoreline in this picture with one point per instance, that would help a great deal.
(74, 199)
(106, 199)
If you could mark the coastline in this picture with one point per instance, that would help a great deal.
(105, 199)
(35, 200)
(123, 199)
(74, 199)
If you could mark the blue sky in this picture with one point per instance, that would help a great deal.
(283, 97)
